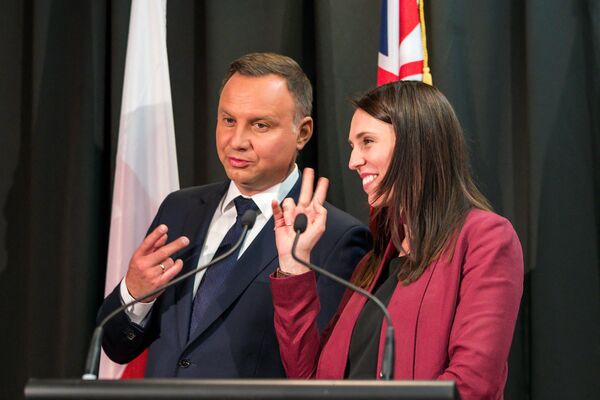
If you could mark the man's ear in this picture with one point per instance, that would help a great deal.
(305, 130)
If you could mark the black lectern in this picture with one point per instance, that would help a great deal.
(239, 389)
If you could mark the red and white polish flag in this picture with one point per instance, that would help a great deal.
(146, 166)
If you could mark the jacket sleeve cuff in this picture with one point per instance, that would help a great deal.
(288, 290)
(138, 312)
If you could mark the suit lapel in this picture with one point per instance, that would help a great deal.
(195, 228)
(260, 254)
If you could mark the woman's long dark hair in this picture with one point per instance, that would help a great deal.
(428, 184)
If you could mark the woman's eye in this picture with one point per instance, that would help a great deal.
(367, 141)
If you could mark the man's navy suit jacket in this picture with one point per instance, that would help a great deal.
(237, 337)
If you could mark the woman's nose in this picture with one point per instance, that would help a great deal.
(356, 159)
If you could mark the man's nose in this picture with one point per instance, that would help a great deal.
(241, 137)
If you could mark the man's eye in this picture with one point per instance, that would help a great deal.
(228, 121)
(261, 126)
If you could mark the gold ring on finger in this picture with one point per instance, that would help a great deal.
(162, 267)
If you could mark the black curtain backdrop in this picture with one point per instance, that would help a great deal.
(523, 77)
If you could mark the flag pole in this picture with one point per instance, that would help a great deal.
(427, 78)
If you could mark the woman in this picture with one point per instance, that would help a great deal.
(449, 270)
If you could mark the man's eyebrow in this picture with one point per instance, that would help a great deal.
(265, 118)
(273, 119)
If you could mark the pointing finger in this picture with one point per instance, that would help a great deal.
(160, 242)
(151, 239)
(306, 190)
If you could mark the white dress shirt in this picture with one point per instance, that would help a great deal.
(223, 219)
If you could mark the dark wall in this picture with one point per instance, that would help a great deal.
(523, 77)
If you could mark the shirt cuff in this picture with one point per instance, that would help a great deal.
(138, 312)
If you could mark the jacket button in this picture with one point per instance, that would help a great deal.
(130, 334)
(184, 363)
(380, 374)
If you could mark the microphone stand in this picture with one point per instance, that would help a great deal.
(387, 362)
(93, 357)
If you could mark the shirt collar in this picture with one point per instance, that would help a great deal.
(264, 198)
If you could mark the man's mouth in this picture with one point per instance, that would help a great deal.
(237, 162)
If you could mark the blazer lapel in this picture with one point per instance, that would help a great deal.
(405, 307)
(334, 356)
(260, 254)
(196, 229)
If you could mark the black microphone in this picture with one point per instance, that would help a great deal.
(93, 356)
(387, 363)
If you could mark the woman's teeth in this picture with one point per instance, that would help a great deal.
(368, 179)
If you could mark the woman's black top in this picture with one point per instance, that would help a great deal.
(364, 344)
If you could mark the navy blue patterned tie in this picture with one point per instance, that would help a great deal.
(214, 277)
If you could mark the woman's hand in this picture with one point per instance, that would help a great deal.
(310, 203)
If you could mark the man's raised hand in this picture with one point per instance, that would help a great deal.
(151, 264)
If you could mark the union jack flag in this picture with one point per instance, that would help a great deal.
(400, 42)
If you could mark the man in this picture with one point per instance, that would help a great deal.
(220, 324)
